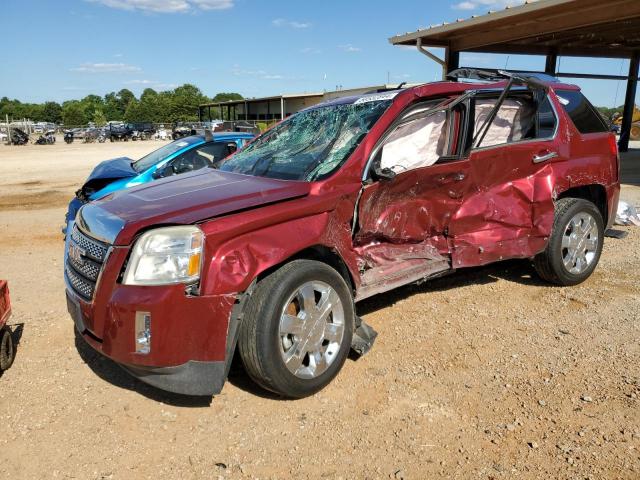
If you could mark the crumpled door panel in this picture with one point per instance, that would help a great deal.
(509, 215)
(414, 206)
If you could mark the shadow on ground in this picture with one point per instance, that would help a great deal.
(111, 372)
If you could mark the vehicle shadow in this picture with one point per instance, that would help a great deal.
(518, 271)
(16, 330)
(111, 372)
(239, 378)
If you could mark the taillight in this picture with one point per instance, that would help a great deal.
(613, 144)
(613, 148)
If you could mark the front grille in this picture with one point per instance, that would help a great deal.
(96, 250)
(85, 258)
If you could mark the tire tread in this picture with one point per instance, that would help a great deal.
(543, 262)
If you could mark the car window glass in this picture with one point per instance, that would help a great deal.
(515, 120)
(163, 152)
(584, 116)
(546, 119)
(214, 152)
(416, 143)
(196, 158)
(313, 143)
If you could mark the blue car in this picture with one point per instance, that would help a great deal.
(184, 155)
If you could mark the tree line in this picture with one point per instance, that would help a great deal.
(179, 104)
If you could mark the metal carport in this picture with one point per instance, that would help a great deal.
(579, 28)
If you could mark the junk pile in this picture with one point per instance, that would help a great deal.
(627, 214)
(19, 137)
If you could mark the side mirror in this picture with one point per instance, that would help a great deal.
(384, 173)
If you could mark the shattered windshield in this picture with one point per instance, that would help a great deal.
(309, 145)
(163, 152)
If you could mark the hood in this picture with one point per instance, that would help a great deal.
(182, 199)
(113, 169)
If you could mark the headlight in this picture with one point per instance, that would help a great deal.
(166, 256)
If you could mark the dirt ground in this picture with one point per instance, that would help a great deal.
(488, 373)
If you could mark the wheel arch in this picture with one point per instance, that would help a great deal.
(320, 253)
(594, 193)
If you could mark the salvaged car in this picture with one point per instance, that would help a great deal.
(178, 157)
(7, 347)
(269, 252)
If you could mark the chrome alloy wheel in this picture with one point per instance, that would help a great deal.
(311, 329)
(580, 243)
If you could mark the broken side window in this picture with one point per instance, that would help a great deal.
(514, 122)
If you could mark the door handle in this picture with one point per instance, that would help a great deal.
(545, 157)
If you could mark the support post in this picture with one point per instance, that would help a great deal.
(281, 108)
(452, 59)
(629, 103)
(551, 63)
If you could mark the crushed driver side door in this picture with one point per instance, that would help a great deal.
(415, 183)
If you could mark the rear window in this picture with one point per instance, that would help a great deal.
(584, 116)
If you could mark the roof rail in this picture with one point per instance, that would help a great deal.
(489, 74)
(400, 86)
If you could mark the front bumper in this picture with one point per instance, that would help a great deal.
(165, 366)
(191, 339)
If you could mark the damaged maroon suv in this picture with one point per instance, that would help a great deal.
(269, 253)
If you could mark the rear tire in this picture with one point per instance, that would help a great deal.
(575, 244)
(297, 329)
(7, 350)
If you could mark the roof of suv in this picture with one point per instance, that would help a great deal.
(442, 88)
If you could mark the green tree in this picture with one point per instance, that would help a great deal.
(132, 113)
(99, 118)
(125, 97)
(185, 102)
(225, 97)
(112, 107)
(73, 114)
(52, 112)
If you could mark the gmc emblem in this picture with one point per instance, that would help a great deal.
(76, 253)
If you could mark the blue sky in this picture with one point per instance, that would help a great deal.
(70, 48)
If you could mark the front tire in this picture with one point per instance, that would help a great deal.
(297, 329)
(575, 244)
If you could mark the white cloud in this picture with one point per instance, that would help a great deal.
(349, 48)
(167, 6)
(106, 68)
(283, 22)
(490, 4)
